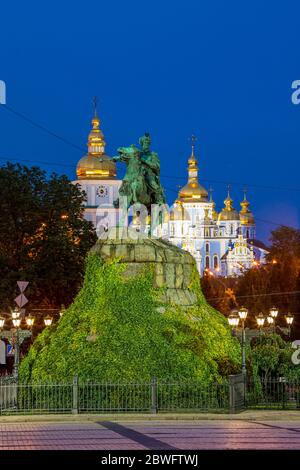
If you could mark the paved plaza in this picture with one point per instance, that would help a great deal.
(152, 434)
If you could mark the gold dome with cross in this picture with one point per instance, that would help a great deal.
(96, 164)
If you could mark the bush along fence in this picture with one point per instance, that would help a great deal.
(150, 397)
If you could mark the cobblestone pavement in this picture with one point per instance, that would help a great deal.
(152, 435)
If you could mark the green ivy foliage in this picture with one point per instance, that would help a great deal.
(117, 329)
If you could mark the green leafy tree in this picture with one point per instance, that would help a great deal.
(220, 292)
(270, 356)
(43, 236)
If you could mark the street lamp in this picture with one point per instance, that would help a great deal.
(289, 319)
(16, 337)
(271, 322)
(274, 312)
(15, 313)
(243, 312)
(260, 319)
(233, 320)
(30, 321)
(48, 320)
(16, 322)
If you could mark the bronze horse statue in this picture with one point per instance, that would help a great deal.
(134, 185)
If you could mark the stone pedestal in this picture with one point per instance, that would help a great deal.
(173, 267)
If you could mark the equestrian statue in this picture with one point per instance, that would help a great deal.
(141, 183)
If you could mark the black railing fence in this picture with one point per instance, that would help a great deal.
(95, 397)
(273, 393)
(230, 395)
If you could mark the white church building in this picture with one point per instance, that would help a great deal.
(222, 243)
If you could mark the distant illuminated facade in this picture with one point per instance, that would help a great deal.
(96, 175)
(223, 244)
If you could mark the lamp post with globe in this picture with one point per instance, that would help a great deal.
(233, 320)
(289, 320)
(16, 335)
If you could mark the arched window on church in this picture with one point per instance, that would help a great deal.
(207, 263)
(247, 233)
(207, 232)
(207, 247)
(216, 261)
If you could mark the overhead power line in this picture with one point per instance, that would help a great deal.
(296, 292)
(244, 184)
(41, 127)
(81, 149)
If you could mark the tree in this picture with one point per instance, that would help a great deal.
(279, 276)
(270, 356)
(43, 236)
(219, 292)
(285, 244)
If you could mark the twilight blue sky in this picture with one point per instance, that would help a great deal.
(220, 69)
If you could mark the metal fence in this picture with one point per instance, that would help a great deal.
(90, 397)
(273, 393)
(231, 395)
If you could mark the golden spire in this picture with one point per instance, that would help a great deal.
(228, 201)
(245, 204)
(246, 215)
(96, 164)
(96, 143)
(193, 191)
(228, 212)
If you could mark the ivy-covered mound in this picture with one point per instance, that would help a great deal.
(140, 314)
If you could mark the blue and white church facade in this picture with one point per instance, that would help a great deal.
(222, 243)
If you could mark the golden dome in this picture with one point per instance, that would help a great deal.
(246, 216)
(228, 212)
(193, 191)
(96, 168)
(96, 164)
(179, 212)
